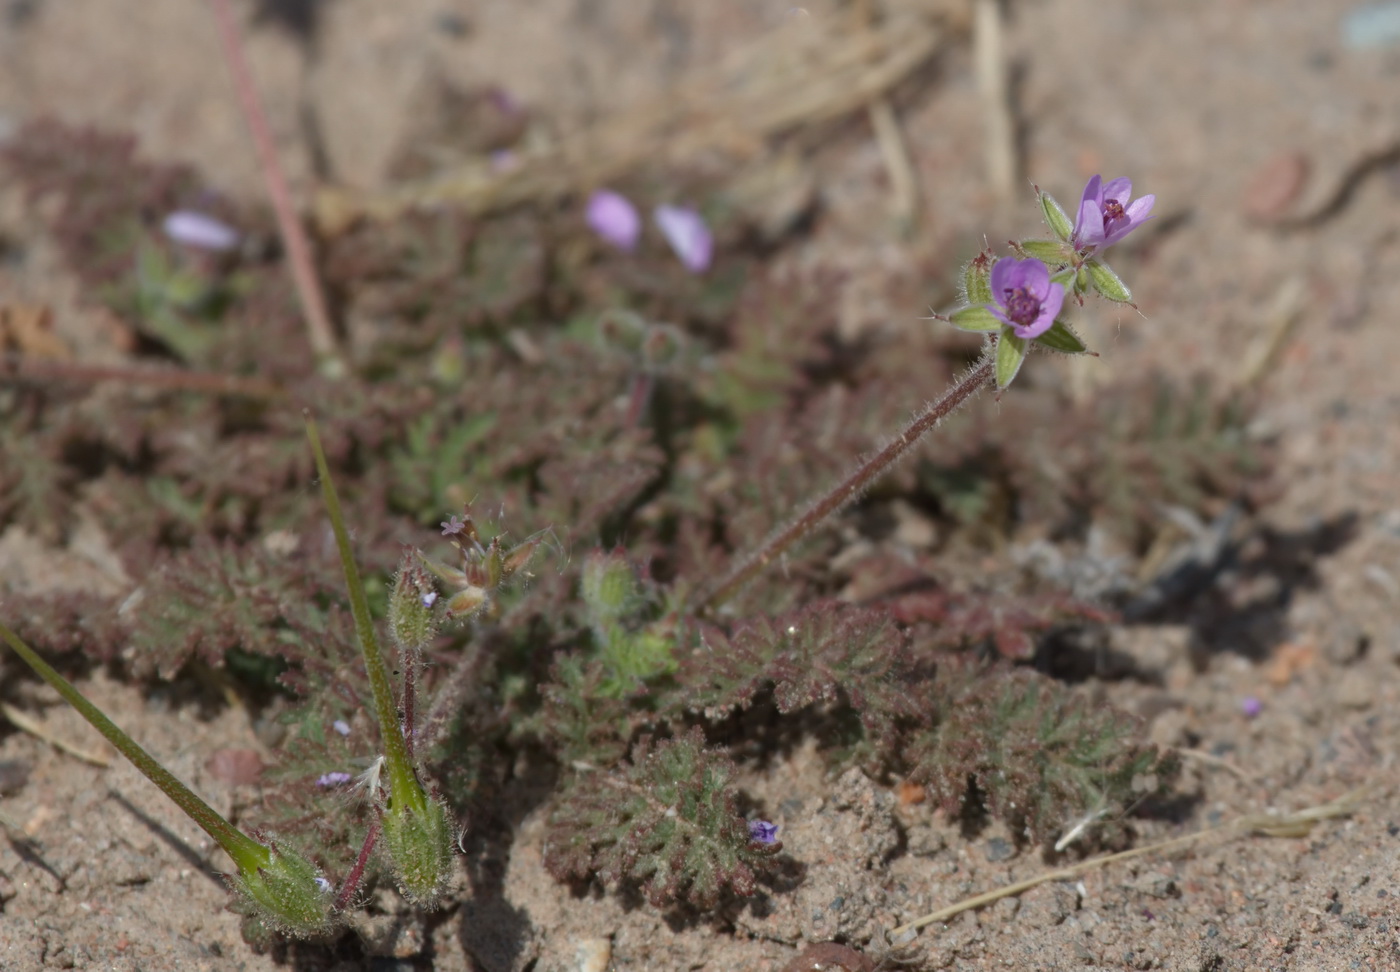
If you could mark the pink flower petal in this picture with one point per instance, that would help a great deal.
(688, 235)
(200, 231)
(613, 217)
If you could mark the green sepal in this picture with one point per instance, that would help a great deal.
(1052, 253)
(977, 279)
(1055, 217)
(1061, 337)
(975, 318)
(1011, 351)
(1106, 282)
(418, 843)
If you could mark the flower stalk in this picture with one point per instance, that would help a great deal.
(848, 489)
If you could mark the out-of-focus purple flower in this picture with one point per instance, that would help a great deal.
(763, 832)
(341, 726)
(429, 599)
(1251, 707)
(1025, 298)
(688, 235)
(200, 231)
(452, 527)
(613, 217)
(1106, 214)
(333, 779)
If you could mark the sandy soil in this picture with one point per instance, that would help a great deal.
(1201, 102)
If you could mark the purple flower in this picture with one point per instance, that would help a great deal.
(763, 832)
(1251, 707)
(1026, 299)
(1105, 214)
(199, 231)
(452, 527)
(333, 779)
(688, 235)
(614, 218)
(341, 726)
(429, 599)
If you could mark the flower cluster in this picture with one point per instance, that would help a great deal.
(1017, 302)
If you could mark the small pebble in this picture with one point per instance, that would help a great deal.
(830, 957)
(998, 849)
(14, 773)
(594, 955)
(236, 766)
(1274, 187)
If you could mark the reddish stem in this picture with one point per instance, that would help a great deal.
(357, 873)
(308, 285)
(849, 488)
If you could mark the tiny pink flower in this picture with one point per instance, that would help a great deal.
(199, 231)
(1026, 300)
(688, 235)
(1106, 215)
(614, 218)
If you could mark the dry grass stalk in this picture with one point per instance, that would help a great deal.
(778, 84)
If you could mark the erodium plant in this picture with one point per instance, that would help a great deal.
(628, 679)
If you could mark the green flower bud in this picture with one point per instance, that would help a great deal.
(418, 843)
(977, 275)
(1055, 217)
(412, 620)
(609, 588)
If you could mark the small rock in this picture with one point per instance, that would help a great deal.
(236, 766)
(830, 957)
(14, 773)
(1274, 187)
(999, 849)
(594, 954)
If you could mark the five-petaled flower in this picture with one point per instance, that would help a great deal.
(1107, 213)
(1026, 300)
(452, 527)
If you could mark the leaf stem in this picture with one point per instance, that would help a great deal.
(869, 470)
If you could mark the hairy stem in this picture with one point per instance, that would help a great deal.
(357, 873)
(778, 543)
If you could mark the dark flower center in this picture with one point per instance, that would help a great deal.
(1112, 213)
(1022, 306)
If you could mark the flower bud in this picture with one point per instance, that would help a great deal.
(977, 275)
(412, 620)
(1055, 216)
(609, 588)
